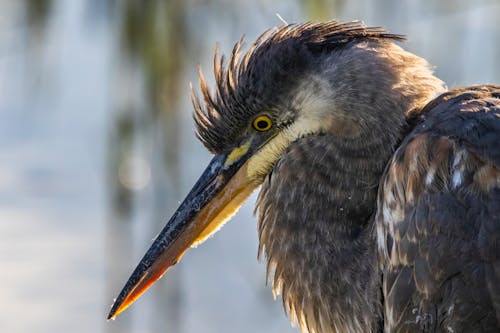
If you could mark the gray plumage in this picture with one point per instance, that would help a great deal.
(379, 208)
(317, 204)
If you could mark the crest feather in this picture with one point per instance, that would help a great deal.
(222, 113)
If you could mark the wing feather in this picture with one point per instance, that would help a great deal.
(438, 218)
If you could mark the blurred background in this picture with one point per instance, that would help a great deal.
(97, 150)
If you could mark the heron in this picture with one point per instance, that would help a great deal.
(379, 202)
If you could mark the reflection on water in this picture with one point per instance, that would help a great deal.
(97, 149)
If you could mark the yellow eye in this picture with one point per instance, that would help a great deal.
(262, 123)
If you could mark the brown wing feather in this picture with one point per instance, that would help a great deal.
(438, 219)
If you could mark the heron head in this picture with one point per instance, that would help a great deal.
(294, 81)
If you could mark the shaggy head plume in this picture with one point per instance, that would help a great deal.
(260, 78)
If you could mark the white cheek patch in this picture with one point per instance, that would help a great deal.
(316, 115)
(261, 163)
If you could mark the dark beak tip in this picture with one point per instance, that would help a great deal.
(115, 309)
(111, 314)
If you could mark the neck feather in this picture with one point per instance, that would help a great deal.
(316, 207)
(314, 213)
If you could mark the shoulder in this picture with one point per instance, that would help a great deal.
(470, 116)
(453, 149)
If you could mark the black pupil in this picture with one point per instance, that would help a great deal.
(262, 124)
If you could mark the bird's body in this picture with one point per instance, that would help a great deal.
(380, 202)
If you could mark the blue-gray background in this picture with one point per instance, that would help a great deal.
(97, 149)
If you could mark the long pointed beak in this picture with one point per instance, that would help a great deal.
(216, 196)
